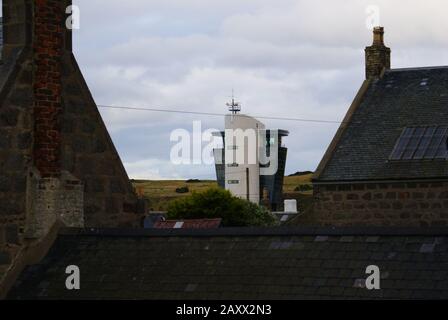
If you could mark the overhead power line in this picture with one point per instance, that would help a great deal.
(217, 114)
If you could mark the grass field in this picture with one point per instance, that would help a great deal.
(161, 192)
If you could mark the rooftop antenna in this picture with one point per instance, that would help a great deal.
(234, 106)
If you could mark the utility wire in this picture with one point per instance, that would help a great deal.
(217, 114)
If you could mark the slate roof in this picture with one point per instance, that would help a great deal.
(242, 263)
(396, 101)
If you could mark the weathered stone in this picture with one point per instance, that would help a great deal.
(14, 162)
(344, 187)
(5, 184)
(12, 233)
(372, 205)
(391, 195)
(2, 236)
(24, 140)
(99, 146)
(424, 205)
(94, 185)
(21, 97)
(116, 186)
(67, 126)
(418, 195)
(86, 166)
(88, 126)
(5, 258)
(403, 195)
(378, 196)
(384, 205)
(405, 215)
(377, 55)
(80, 144)
(5, 139)
(72, 89)
(92, 209)
(397, 205)
(20, 183)
(352, 196)
(367, 196)
(12, 205)
(9, 117)
(55, 199)
(443, 195)
(113, 205)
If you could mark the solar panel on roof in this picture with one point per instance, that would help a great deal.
(417, 143)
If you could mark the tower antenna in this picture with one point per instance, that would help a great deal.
(234, 106)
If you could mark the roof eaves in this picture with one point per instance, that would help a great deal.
(252, 231)
(417, 69)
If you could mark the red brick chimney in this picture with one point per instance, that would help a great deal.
(37, 28)
(377, 55)
(49, 17)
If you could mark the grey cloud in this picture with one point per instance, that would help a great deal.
(287, 58)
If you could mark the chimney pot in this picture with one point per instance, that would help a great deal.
(378, 36)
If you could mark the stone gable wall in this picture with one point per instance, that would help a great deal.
(382, 204)
(50, 125)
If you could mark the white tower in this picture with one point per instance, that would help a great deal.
(241, 142)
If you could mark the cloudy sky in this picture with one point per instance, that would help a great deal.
(283, 58)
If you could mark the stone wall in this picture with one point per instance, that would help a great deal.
(50, 125)
(58, 164)
(382, 204)
(53, 199)
(377, 55)
(16, 114)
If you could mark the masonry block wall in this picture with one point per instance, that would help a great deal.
(50, 127)
(377, 55)
(382, 204)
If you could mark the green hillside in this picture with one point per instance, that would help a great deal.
(161, 192)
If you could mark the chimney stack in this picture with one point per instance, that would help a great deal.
(377, 55)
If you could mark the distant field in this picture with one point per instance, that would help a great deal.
(161, 192)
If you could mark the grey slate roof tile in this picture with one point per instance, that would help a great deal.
(238, 267)
(364, 148)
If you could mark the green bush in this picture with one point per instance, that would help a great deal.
(219, 203)
(303, 188)
(182, 190)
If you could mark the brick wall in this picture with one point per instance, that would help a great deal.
(382, 204)
(47, 46)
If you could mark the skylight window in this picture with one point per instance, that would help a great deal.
(418, 143)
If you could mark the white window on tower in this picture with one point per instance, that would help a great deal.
(233, 182)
